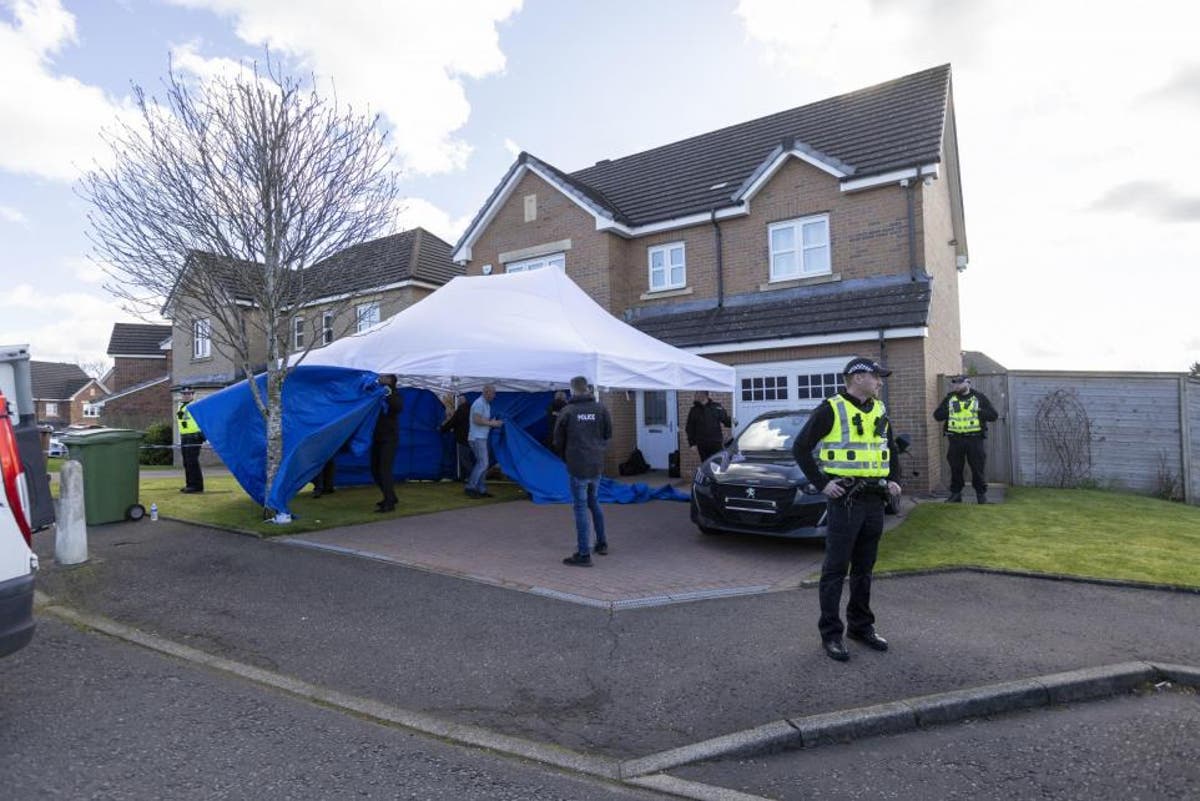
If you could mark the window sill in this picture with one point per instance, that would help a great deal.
(829, 278)
(200, 359)
(666, 293)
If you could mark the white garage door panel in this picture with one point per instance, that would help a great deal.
(771, 386)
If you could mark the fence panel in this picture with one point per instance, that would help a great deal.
(1136, 427)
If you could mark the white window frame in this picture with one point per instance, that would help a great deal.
(666, 250)
(558, 260)
(92, 409)
(804, 268)
(366, 315)
(51, 409)
(201, 338)
(326, 327)
(298, 333)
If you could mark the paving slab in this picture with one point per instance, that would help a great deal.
(656, 556)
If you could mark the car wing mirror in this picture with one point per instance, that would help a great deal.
(902, 443)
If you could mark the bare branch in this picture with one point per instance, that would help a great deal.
(223, 202)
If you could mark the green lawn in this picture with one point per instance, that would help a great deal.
(226, 505)
(1086, 533)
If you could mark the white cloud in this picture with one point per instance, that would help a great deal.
(12, 215)
(50, 121)
(85, 269)
(1074, 130)
(415, 211)
(512, 147)
(59, 327)
(407, 60)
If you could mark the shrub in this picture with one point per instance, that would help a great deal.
(157, 434)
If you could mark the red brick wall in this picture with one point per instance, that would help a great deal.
(139, 409)
(129, 371)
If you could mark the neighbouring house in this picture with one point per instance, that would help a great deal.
(375, 280)
(64, 395)
(976, 362)
(140, 379)
(782, 246)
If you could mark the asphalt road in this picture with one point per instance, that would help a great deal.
(84, 716)
(1128, 748)
(621, 684)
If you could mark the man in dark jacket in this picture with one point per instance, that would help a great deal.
(383, 444)
(581, 435)
(460, 423)
(965, 414)
(704, 425)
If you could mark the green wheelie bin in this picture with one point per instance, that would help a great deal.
(109, 458)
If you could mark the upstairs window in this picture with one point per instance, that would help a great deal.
(668, 267)
(52, 410)
(298, 333)
(799, 248)
(202, 338)
(367, 315)
(326, 328)
(558, 260)
(92, 409)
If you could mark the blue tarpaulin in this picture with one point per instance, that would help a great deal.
(544, 476)
(330, 412)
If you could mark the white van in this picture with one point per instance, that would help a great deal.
(18, 562)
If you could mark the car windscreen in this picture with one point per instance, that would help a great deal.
(771, 434)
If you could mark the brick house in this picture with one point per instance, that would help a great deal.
(140, 378)
(375, 280)
(64, 395)
(782, 246)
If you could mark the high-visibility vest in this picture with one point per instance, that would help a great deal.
(856, 444)
(187, 423)
(964, 416)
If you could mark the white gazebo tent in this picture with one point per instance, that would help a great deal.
(520, 331)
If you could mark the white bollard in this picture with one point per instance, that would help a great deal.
(70, 537)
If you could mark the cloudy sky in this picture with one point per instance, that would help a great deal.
(1078, 124)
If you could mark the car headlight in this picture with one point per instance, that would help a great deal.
(702, 477)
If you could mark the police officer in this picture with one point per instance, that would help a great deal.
(190, 440)
(856, 467)
(965, 414)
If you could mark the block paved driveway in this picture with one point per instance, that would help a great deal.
(656, 554)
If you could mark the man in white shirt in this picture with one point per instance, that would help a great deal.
(482, 424)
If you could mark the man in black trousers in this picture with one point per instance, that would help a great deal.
(383, 444)
(965, 414)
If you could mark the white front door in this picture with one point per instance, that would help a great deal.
(657, 426)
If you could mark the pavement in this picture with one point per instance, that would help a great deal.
(465, 626)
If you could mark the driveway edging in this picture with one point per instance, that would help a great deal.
(811, 731)
(1003, 571)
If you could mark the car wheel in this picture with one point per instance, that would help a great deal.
(135, 512)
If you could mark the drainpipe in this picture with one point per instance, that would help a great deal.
(720, 260)
(911, 185)
(883, 361)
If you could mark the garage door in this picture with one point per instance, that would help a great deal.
(771, 386)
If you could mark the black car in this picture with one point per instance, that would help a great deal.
(754, 486)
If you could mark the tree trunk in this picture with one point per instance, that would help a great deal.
(275, 378)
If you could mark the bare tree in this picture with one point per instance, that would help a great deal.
(224, 207)
(95, 368)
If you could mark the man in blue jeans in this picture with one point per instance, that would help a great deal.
(482, 424)
(581, 435)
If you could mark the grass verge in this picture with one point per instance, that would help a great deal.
(1085, 533)
(224, 504)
